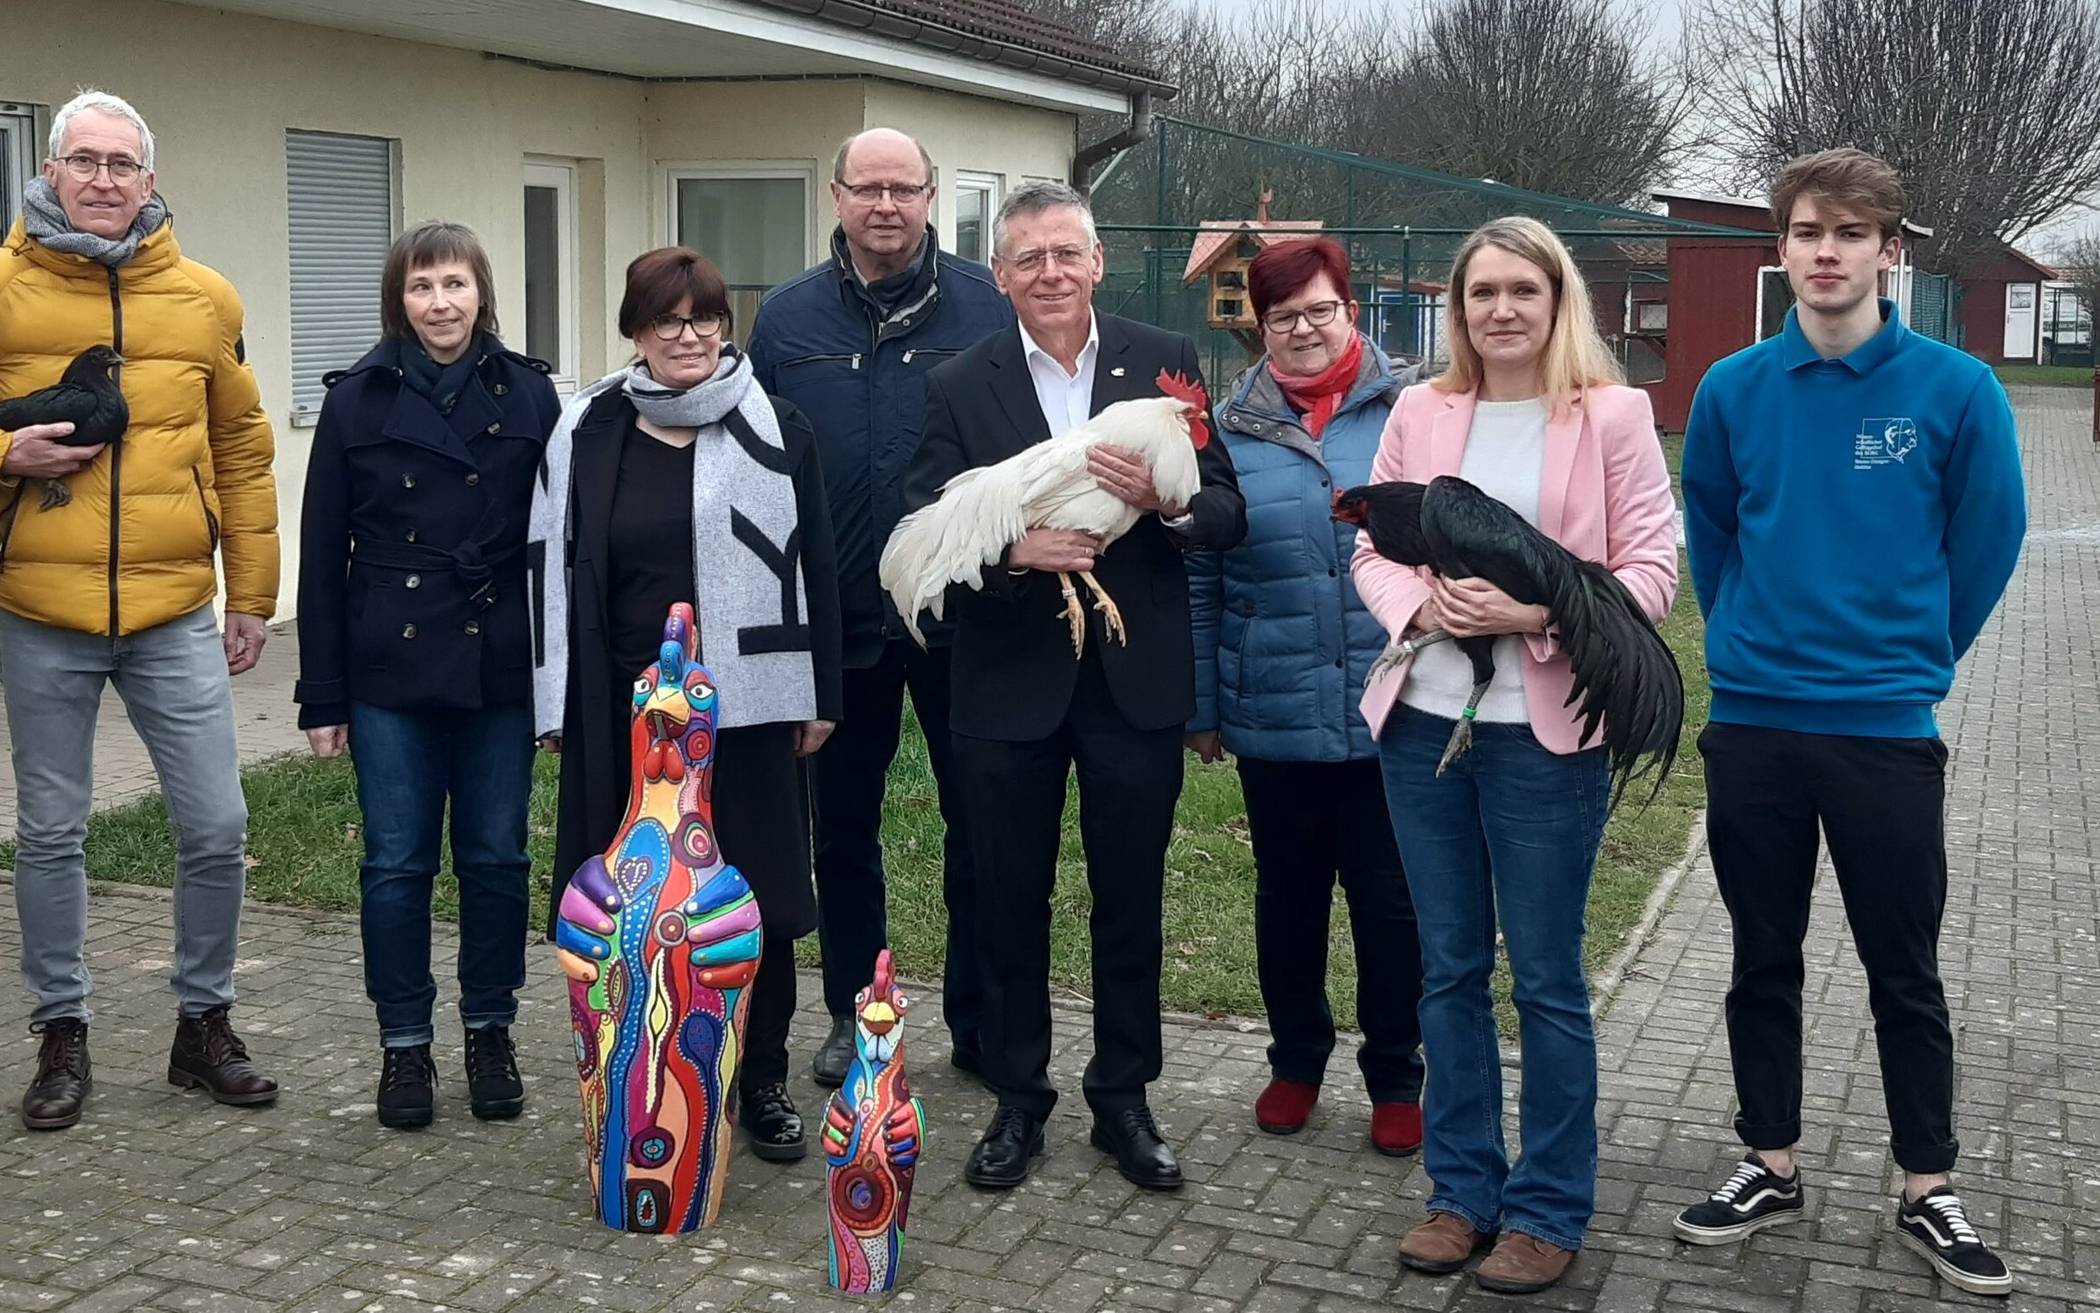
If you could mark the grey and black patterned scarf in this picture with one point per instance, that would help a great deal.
(44, 219)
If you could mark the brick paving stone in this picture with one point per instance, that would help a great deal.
(165, 1201)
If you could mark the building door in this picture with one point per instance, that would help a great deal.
(550, 270)
(2020, 319)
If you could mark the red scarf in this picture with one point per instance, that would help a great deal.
(1317, 398)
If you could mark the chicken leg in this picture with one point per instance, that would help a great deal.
(1395, 653)
(1481, 652)
(1074, 613)
(1111, 615)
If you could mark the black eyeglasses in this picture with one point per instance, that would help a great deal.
(83, 168)
(1319, 315)
(669, 328)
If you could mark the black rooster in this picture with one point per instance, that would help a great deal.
(85, 396)
(1625, 674)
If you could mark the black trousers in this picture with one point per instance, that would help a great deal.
(1014, 796)
(851, 775)
(766, 1025)
(1880, 804)
(1311, 822)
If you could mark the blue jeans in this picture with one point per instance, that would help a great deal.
(173, 680)
(408, 762)
(1510, 828)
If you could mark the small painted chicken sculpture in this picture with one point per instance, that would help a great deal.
(982, 512)
(87, 397)
(1625, 674)
(660, 941)
(872, 1134)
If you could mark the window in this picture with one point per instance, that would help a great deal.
(19, 154)
(1775, 296)
(752, 220)
(550, 269)
(976, 205)
(341, 194)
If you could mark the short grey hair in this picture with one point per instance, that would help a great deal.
(101, 102)
(1032, 198)
(838, 161)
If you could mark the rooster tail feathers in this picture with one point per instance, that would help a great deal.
(1626, 679)
(949, 541)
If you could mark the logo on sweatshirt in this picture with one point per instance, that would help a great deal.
(1883, 440)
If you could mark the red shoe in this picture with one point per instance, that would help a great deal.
(1396, 1128)
(1284, 1106)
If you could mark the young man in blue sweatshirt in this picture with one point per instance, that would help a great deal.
(1853, 509)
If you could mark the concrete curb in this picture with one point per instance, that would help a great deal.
(1604, 986)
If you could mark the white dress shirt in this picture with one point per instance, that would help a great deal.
(1067, 400)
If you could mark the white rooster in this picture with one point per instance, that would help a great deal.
(981, 512)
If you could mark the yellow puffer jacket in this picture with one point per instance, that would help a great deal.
(133, 549)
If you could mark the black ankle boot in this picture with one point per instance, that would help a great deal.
(775, 1128)
(407, 1087)
(495, 1090)
(59, 1089)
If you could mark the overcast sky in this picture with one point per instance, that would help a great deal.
(1664, 22)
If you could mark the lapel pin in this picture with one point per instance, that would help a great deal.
(1117, 372)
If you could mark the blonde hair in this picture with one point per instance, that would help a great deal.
(1576, 356)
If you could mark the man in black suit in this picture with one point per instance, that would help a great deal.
(1025, 712)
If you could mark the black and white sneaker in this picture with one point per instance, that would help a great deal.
(1753, 1198)
(1936, 1227)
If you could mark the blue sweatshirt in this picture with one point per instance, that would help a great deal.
(1851, 523)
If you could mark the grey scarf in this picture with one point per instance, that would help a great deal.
(753, 606)
(44, 219)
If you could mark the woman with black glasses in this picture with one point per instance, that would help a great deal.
(677, 479)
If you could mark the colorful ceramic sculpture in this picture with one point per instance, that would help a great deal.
(871, 1139)
(660, 941)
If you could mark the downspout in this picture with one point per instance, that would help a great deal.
(1139, 129)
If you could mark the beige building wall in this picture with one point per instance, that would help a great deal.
(221, 90)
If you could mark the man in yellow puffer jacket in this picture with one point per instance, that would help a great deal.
(117, 585)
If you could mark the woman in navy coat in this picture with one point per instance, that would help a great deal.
(1282, 647)
(415, 654)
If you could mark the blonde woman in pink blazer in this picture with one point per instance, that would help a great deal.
(1534, 412)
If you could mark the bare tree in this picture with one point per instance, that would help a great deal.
(1988, 108)
(1557, 96)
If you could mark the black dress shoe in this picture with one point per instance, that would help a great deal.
(407, 1087)
(495, 1090)
(835, 1055)
(1141, 1155)
(1000, 1160)
(775, 1128)
(208, 1056)
(63, 1077)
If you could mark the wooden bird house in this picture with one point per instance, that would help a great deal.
(1220, 255)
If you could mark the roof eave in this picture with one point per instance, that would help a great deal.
(968, 45)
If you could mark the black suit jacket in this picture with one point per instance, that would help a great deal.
(1013, 666)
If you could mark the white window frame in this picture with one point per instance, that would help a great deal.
(1757, 316)
(993, 185)
(672, 172)
(560, 176)
(22, 124)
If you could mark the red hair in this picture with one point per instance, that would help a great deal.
(1282, 271)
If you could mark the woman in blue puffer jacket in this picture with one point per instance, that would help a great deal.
(1282, 647)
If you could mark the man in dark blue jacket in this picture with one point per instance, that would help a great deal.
(850, 343)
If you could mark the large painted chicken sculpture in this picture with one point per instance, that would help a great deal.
(983, 511)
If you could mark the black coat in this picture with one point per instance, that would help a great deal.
(412, 535)
(760, 800)
(1013, 666)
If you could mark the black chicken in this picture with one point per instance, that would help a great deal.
(1625, 674)
(85, 396)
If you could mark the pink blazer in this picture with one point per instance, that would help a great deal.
(1604, 495)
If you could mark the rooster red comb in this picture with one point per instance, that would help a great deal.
(1181, 389)
(880, 986)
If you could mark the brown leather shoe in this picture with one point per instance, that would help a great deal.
(1522, 1265)
(1442, 1244)
(207, 1055)
(63, 1077)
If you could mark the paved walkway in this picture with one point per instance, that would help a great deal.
(164, 1201)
